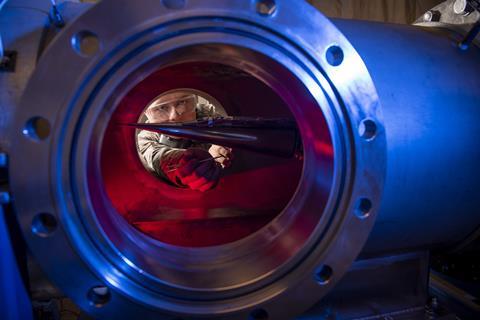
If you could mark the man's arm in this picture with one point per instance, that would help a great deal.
(192, 168)
(153, 153)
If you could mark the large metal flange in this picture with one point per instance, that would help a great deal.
(278, 272)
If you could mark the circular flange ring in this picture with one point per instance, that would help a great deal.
(74, 254)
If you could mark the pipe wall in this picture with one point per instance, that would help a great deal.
(430, 96)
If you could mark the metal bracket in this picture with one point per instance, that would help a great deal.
(461, 16)
(466, 7)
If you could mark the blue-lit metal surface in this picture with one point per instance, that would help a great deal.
(428, 89)
(408, 153)
(265, 270)
(14, 299)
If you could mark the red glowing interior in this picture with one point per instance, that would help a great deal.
(250, 194)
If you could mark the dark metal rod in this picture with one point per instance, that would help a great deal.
(278, 137)
(472, 34)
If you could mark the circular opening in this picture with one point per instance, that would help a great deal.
(98, 296)
(174, 4)
(260, 203)
(334, 55)
(259, 314)
(85, 43)
(184, 161)
(37, 128)
(363, 208)
(44, 224)
(324, 274)
(266, 7)
(367, 129)
(204, 181)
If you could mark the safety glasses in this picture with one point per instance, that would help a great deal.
(181, 105)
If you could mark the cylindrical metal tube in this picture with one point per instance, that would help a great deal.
(72, 217)
(430, 96)
(409, 154)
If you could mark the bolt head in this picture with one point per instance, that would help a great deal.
(461, 7)
(432, 16)
(427, 16)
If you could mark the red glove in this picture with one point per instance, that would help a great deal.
(195, 169)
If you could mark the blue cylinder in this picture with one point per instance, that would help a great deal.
(429, 91)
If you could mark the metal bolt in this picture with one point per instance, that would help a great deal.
(462, 7)
(4, 197)
(432, 16)
(427, 16)
(3, 160)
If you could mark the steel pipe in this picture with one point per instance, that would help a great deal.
(429, 102)
(390, 147)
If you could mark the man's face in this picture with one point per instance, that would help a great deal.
(173, 107)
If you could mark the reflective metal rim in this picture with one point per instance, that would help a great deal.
(67, 85)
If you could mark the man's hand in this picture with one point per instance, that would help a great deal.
(197, 170)
(222, 155)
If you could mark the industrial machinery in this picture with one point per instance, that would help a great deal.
(387, 117)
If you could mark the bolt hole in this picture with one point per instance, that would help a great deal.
(324, 274)
(266, 7)
(363, 208)
(367, 129)
(174, 4)
(98, 296)
(334, 56)
(85, 43)
(258, 314)
(44, 224)
(37, 128)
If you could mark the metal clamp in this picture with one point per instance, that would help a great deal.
(461, 16)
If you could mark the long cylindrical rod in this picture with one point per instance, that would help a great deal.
(277, 137)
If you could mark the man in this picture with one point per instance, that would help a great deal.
(184, 163)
